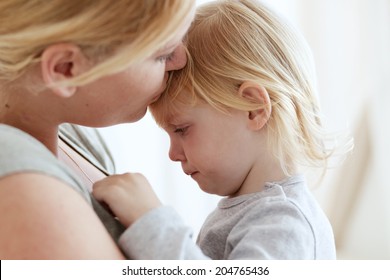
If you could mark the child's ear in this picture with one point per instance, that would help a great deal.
(256, 94)
(60, 62)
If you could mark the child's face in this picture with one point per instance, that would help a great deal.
(214, 148)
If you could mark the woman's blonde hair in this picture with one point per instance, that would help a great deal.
(233, 41)
(117, 33)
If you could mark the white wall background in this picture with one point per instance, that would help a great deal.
(350, 40)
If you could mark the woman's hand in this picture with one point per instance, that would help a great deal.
(129, 196)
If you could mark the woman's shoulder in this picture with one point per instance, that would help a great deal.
(20, 153)
(9, 134)
(18, 148)
(38, 217)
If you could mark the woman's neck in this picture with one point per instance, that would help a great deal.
(32, 116)
(47, 135)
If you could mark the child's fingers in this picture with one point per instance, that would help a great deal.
(102, 188)
(98, 192)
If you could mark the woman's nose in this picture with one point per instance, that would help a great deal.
(178, 60)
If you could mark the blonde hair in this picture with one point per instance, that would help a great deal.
(116, 33)
(234, 41)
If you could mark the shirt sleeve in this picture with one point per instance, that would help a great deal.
(160, 234)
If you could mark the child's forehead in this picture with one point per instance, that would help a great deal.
(172, 121)
(178, 115)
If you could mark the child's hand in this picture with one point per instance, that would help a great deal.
(128, 196)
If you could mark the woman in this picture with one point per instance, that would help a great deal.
(91, 63)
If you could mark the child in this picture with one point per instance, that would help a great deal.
(242, 118)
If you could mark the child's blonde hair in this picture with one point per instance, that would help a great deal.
(118, 33)
(234, 41)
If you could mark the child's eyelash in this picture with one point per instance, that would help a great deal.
(180, 130)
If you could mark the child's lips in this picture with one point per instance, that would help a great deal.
(190, 173)
(193, 174)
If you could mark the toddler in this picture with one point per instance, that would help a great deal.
(243, 120)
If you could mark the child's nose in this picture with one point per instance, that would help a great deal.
(178, 60)
(176, 153)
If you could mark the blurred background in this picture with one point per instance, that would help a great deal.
(350, 40)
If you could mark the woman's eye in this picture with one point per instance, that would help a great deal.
(165, 58)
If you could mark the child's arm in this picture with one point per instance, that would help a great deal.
(159, 232)
(129, 196)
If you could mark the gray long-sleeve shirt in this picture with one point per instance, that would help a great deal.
(282, 222)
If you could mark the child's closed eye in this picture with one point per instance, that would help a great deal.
(181, 130)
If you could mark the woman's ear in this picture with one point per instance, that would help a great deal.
(256, 94)
(60, 62)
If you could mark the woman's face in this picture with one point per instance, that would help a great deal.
(125, 96)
